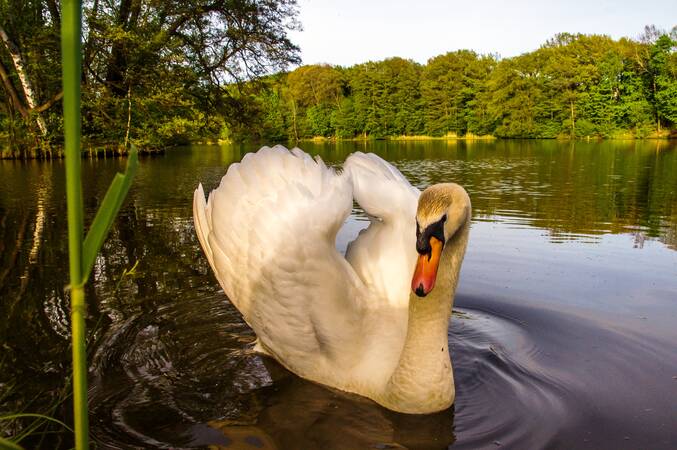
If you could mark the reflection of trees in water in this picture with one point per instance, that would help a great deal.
(35, 356)
(34, 361)
(574, 192)
(670, 236)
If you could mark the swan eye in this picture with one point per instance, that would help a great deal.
(435, 230)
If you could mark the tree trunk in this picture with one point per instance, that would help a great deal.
(128, 15)
(87, 46)
(26, 85)
(12, 95)
(54, 13)
(658, 119)
(129, 115)
(293, 112)
(573, 119)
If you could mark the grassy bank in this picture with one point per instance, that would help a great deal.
(404, 137)
(621, 135)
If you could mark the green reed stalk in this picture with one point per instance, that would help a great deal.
(71, 70)
(82, 253)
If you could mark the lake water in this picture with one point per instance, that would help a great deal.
(564, 333)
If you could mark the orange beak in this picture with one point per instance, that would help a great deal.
(426, 269)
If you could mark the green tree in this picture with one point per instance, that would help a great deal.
(663, 79)
(155, 72)
(449, 87)
(314, 92)
(519, 98)
(30, 70)
(386, 97)
(573, 70)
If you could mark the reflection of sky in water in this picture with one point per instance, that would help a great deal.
(598, 272)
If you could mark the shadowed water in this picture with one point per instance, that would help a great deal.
(564, 333)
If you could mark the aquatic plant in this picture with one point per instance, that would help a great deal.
(82, 253)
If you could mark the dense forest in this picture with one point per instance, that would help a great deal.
(166, 73)
(573, 86)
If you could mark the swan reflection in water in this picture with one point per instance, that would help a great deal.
(302, 415)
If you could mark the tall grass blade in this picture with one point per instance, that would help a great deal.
(106, 214)
(9, 445)
(36, 416)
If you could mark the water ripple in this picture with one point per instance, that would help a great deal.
(200, 381)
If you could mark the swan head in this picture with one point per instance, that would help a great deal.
(443, 210)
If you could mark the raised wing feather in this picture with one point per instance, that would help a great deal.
(384, 254)
(380, 189)
(269, 233)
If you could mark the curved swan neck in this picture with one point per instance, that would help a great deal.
(424, 375)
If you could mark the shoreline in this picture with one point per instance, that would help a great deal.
(404, 137)
(104, 152)
(57, 152)
(623, 136)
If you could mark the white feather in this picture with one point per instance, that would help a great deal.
(269, 233)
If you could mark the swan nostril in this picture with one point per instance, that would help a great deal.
(420, 291)
(423, 246)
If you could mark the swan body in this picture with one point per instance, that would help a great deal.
(356, 323)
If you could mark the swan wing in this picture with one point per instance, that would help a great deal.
(384, 254)
(269, 234)
(380, 189)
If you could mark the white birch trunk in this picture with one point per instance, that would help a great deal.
(19, 65)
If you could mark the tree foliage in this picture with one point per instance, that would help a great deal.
(573, 86)
(158, 73)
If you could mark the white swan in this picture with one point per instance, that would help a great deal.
(351, 323)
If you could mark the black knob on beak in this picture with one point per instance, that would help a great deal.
(420, 291)
(423, 244)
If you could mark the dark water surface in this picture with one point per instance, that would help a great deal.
(564, 333)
